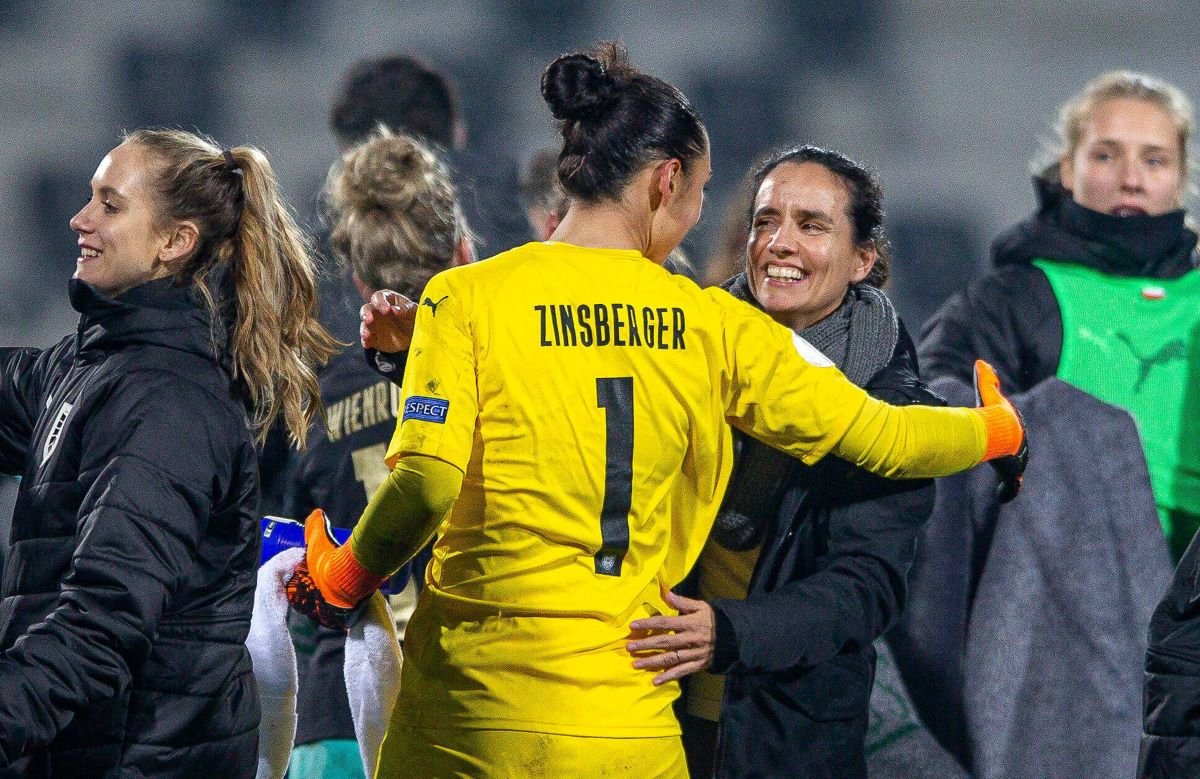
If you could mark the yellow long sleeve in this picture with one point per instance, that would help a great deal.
(784, 392)
(404, 512)
(914, 441)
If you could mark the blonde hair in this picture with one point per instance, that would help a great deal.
(1074, 114)
(252, 264)
(393, 211)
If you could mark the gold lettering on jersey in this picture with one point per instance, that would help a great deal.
(359, 410)
(611, 324)
(370, 413)
(354, 413)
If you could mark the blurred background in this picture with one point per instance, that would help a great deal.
(947, 100)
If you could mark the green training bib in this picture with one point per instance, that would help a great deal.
(1135, 343)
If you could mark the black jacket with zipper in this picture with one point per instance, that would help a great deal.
(129, 586)
(797, 653)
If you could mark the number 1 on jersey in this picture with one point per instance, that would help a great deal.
(615, 396)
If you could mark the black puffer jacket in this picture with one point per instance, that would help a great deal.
(130, 581)
(1171, 724)
(1011, 318)
(797, 653)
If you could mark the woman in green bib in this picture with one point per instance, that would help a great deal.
(1098, 287)
(1034, 618)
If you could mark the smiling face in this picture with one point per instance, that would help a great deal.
(1127, 162)
(801, 255)
(119, 242)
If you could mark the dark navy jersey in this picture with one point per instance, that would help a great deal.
(338, 472)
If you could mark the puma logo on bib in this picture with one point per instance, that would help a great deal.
(1174, 349)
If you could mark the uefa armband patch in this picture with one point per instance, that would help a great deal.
(426, 409)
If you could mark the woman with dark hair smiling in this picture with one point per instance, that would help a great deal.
(806, 565)
(570, 443)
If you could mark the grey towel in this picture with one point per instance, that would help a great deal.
(1025, 637)
(898, 745)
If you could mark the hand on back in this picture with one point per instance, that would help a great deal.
(387, 321)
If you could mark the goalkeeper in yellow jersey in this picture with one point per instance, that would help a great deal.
(565, 431)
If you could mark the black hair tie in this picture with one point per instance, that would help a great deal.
(229, 160)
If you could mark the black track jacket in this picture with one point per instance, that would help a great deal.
(797, 653)
(130, 581)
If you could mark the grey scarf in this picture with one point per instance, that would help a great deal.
(859, 337)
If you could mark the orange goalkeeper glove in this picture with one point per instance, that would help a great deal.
(328, 585)
(1008, 445)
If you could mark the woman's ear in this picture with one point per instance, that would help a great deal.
(866, 256)
(665, 183)
(180, 241)
(671, 173)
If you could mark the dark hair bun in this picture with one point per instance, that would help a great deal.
(578, 88)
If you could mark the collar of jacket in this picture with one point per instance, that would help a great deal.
(1160, 246)
(159, 312)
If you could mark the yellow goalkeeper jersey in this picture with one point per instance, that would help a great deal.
(586, 394)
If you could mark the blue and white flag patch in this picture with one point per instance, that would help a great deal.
(426, 409)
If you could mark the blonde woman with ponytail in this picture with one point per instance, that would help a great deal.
(135, 543)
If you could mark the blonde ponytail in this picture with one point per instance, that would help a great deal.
(248, 236)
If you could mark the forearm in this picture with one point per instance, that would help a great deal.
(404, 513)
(782, 394)
(855, 596)
(389, 365)
(59, 667)
(919, 441)
(19, 406)
(109, 609)
(1010, 318)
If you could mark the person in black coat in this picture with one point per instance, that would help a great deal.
(806, 566)
(1098, 288)
(135, 539)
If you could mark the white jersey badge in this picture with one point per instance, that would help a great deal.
(810, 353)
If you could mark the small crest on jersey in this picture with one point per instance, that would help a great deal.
(810, 353)
(56, 429)
(608, 564)
(426, 409)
